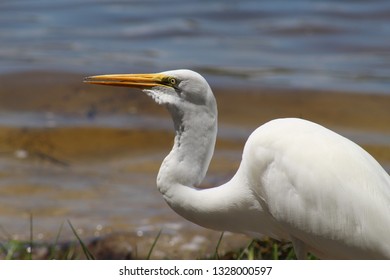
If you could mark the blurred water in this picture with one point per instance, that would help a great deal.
(341, 45)
(135, 122)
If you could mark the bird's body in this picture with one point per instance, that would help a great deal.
(297, 180)
(321, 188)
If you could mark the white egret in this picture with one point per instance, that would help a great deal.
(297, 180)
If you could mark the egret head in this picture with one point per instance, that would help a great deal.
(193, 108)
(177, 88)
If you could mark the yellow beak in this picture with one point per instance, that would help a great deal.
(128, 80)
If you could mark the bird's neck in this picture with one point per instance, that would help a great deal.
(193, 148)
(184, 169)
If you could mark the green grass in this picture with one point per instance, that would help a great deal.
(87, 253)
(261, 249)
(154, 244)
(216, 255)
(12, 249)
(266, 249)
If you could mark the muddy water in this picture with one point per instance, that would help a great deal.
(90, 154)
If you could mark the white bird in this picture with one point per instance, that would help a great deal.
(297, 180)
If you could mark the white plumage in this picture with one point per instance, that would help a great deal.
(297, 180)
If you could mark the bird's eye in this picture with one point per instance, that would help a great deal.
(172, 81)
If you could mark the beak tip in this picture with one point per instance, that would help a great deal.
(87, 79)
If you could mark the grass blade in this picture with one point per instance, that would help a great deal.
(275, 251)
(291, 254)
(154, 244)
(241, 256)
(87, 253)
(52, 253)
(30, 248)
(216, 256)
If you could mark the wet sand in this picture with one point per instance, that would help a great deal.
(83, 172)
